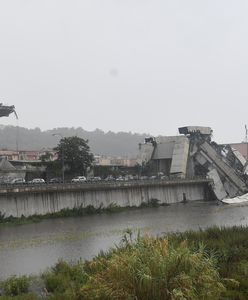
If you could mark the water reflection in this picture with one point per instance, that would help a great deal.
(31, 248)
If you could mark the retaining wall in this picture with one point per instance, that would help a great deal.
(31, 200)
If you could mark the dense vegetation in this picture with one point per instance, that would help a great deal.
(210, 264)
(74, 153)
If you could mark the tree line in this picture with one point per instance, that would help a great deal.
(100, 142)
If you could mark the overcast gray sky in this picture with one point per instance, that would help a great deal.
(147, 66)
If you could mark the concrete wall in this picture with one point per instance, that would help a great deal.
(180, 157)
(28, 201)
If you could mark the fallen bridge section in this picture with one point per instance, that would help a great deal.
(237, 184)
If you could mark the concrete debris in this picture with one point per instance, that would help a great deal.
(236, 200)
(217, 186)
(194, 154)
(180, 158)
(6, 110)
(195, 129)
(145, 153)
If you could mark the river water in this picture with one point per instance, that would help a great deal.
(32, 248)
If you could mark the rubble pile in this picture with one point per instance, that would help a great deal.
(193, 154)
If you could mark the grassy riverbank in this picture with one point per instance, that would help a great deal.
(74, 212)
(210, 264)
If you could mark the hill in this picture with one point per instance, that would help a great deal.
(100, 142)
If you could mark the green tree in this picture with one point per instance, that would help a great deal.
(74, 153)
(47, 156)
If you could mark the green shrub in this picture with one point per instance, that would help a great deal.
(19, 297)
(65, 279)
(15, 285)
(150, 203)
(151, 268)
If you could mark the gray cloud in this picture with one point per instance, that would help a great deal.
(140, 66)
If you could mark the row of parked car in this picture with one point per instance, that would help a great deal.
(23, 181)
(81, 179)
(119, 178)
(41, 180)
(84, 179)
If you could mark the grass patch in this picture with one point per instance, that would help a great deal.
(151, 203)
(14, 285)
(65, 279)
(20, 297)
(74, 212)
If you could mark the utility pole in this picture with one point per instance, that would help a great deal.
(62, 157)
(246, 140)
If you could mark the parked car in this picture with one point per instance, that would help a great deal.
(37, 181)
(6, 180)
(96, 178)
(79, 179)
(128, 177)
(56, 180)
(109, 178)
(18, 181)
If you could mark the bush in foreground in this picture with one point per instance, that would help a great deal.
(64, 280)
(153, 268)
(15, 285)
(147, 268)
